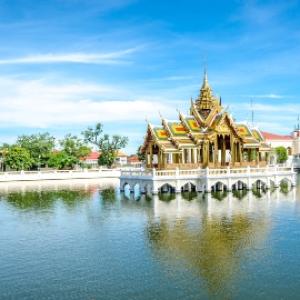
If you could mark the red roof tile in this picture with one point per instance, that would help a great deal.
(274, 136)
(133, 158)
(93, 155)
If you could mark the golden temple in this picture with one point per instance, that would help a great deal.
(208, 137)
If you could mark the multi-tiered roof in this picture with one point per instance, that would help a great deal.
(207, 118)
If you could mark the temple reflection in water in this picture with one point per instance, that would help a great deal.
(208, 237)
(211, 237)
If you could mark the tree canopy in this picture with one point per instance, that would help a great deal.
(18, 158)
(107, 145)
(36, 151)
(40, 146)
(72, 150)
(281, 154)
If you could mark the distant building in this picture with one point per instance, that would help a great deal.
(296, 142)
(296, 147)
(92, 159)
(134, 161)
(121, 158)
(277, 140)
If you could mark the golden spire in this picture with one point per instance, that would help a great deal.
(205, 84)
(205, 99)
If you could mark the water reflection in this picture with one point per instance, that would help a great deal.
(208, 237)
(43, 195)
(212, 235)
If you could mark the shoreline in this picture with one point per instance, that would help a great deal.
(58, 175)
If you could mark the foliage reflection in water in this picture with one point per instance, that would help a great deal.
(188, 246)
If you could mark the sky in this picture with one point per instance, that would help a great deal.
(68, 64)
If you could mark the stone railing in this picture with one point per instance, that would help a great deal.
(58, 174)
(206, 172)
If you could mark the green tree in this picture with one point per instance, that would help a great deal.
(3, 151)
(75, 147)
(281, 154)
(140, 154)
(40, 146)
(72, 150)
(18, 158)
(61, 160)
(108, 146)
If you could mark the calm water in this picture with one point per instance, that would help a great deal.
(83, 240)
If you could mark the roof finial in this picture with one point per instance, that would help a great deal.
(205, 78)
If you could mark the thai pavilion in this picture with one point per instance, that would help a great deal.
(208, 137)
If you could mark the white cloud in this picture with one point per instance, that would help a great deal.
(40, 104)
(266, 96)
(115, 57)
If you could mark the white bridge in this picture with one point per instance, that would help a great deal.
(206, 180)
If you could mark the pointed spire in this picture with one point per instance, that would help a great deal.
(205, 99)
(205, 84)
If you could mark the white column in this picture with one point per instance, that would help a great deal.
(189, 155)
(195, 155)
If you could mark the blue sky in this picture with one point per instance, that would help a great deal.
(67, 64)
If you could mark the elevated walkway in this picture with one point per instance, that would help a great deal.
(206, 180)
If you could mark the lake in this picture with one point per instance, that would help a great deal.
(84, 240)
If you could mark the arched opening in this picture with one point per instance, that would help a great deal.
(188, 187)
(218, 187)
(166, 188)
(272, 185)
(188, 191)
(239, 185)
(285, 185)
(126, 187)
(219, 191)
(136, 189)
(259, 185)
(146, 189)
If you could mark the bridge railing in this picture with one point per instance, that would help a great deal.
(206, 172)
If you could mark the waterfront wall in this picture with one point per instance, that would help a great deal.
(206, 180)
(59, 175)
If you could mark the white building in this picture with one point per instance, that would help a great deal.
(121, 158)
(278, 140)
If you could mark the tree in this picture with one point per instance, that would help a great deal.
(61, 160)
(3, 151)
(73, 146)
(39, 146)
(108, 146)
(140, 154)
(18, 158)
(281, 154)
(72, 150)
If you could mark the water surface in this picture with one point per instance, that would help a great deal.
(85, 240)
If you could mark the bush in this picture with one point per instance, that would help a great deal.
(281, 154)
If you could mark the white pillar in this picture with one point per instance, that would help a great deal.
(189, 155)
(195, 155)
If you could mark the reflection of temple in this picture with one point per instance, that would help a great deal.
(214, 239)
(208, 137)
(212, 242)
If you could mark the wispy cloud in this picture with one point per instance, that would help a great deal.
(115, 57)
(39, 104)
(266, 96)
